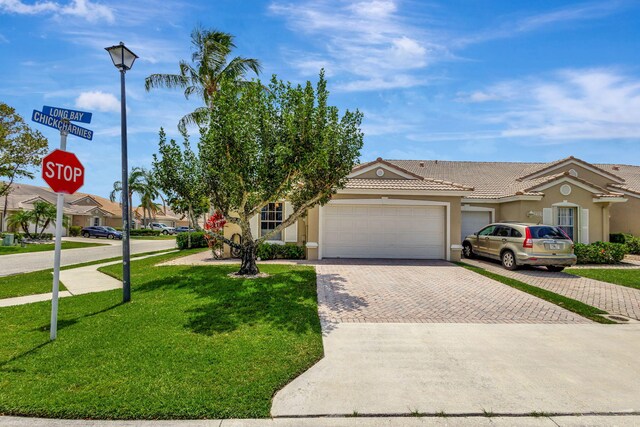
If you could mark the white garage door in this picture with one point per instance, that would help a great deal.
(473, 221)
(362, 231)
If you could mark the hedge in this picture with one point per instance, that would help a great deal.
(75, 230)
(600, 253)
(197, 240)
(144, 232)
(266, 251)
(633, 243)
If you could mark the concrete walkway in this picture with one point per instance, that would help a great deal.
(78, 281)
(614, 299)
(554, 421)
(34, 261)
(469, 369)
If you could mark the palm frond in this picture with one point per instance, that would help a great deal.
(199, 117)
(169, 81)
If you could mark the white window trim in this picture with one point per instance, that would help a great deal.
(387, 201)
(282, 232)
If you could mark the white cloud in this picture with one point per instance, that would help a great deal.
(85, 9)
(369, 43)
(97, 100)
(587, 104)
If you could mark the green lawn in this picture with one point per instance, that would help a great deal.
(7, 250)
(40, 282)
(577, 307)
(625, 277)
(193, 343)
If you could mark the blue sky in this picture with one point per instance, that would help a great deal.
(505, 80)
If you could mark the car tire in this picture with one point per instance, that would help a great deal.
(555, 268)
(165, 232)
(86, 235)
(467, 251)
(508, 260)
(110, 236)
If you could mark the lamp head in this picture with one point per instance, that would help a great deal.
(121, 56)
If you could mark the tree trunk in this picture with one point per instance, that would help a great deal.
(189, 230)
(248, 267)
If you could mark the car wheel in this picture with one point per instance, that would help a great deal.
(86, 235)
(110, 236)
(165, 232)
(509, 260)
(555, 268)
(467, 251)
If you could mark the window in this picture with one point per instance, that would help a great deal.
(96, 221)
(515, 233)
(487, 231)
(546, 232)
(270, 218)
(502, 231)
(566, 221)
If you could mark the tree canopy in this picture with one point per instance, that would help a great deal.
(274, 143)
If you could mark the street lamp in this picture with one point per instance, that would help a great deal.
(123, 59)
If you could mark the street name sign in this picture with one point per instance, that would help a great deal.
(58, 123)
(63, 172)
(63, 113)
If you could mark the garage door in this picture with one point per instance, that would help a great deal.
(362, 231)
(473, 221)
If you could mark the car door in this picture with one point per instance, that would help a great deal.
(501, 237)
(483, 240)
(101, 232)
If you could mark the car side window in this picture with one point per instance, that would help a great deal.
(487, 231)
(502, 231)
(515, 233)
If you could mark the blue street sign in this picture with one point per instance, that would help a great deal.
(63, 113)
(56, 123)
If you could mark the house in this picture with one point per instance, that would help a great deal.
(422, 209)
(82, 209)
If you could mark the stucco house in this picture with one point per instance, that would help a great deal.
(83, 209)
(422, 208)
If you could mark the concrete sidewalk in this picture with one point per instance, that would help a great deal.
(78, 281)
(469, 369)
(542, 421)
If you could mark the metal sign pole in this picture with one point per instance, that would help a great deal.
(58, 248)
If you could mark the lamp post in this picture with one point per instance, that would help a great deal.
(123, 59)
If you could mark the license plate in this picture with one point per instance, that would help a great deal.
(554, 246)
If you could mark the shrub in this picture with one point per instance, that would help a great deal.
(633, 245)
(266, 251)
(75, 230)
(618, 238)
(600, 253)
(197, 240)
(144, 232)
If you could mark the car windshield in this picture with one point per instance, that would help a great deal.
(545, 232)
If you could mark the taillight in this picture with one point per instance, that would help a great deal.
(528, 241)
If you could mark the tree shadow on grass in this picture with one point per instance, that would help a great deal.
(286, 299)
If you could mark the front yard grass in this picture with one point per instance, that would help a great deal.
(629, 277)
(8, 250)
(577, 307)
(41, 281)
(192, 343)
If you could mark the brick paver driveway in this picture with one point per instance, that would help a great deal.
(381, 291)
(614, 299)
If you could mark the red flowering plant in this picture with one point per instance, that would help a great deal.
(213, 229)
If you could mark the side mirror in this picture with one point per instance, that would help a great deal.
(475, 234)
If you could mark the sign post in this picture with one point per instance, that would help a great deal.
(65, 175)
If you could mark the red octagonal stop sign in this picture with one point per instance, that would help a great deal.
(63, 172)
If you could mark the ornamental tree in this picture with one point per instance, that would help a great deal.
(274, 143)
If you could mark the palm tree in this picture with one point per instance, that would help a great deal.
(136, 185)
(21, 219)
(43, 214)
(209, 67)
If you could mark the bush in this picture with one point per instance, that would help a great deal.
(144, 232)
(633, 245)
(197, 240)
(75, 230)
(266, 251)
(600, 253)
(619, 237)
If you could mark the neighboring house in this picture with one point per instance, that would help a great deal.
(164, 216)
(422, 209)
(82, 209)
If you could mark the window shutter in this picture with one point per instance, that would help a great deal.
(547, 216)
(584, 226)
(254, 224)
(291, 232)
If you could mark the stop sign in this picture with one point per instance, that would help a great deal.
(63, 172)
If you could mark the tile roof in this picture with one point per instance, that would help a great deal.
(404, 184)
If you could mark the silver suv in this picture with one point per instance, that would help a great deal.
(165, 229)
(517, 244)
